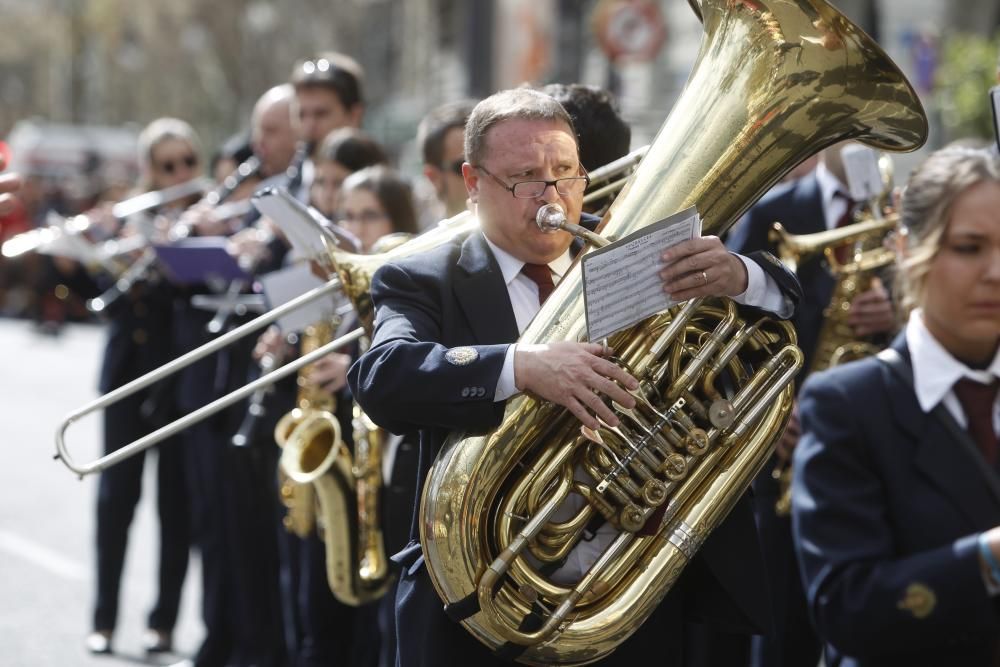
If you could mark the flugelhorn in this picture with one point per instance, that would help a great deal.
(775, 81)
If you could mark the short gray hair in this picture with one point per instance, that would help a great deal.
(926, 210)
(514, 104)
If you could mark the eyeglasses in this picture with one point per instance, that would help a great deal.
(570, 185)
(454, 167)
(169, 166)
(364, 217)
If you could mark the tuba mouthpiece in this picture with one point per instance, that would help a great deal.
(550, 218)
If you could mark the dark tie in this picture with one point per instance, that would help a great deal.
(977, 401)
(843, 252)
(541, 275)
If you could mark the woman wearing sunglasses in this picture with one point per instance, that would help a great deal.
(139, 340)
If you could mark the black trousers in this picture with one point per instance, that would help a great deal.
(794, 641)
(234, 516)
(118, 494)
(320, 630)
(672, 636)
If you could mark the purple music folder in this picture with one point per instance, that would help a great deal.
(199, 260)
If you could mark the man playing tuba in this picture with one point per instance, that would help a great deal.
(444, 358)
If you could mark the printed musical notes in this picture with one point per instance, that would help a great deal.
(621, 282)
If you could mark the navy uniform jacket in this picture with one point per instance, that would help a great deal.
(887, 509)
(798, 206)
(454, 296)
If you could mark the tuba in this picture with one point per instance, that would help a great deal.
(775, 81)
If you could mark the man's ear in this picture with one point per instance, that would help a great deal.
(471, 177)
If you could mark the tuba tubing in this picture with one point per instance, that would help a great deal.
(774, 82)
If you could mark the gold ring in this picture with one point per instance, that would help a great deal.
(704, 276)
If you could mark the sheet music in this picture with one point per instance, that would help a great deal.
(864, 179)
(303, 232)
(282, 286)
(621, 282)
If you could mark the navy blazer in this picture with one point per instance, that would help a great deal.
(888, 505)
(798, 206)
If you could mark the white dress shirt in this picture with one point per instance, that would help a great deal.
(935, 372)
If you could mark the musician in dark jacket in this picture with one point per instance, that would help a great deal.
(139, 340)
(442, 360)
(896, 489)
(816, 202)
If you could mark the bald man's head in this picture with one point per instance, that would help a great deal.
(271, 130)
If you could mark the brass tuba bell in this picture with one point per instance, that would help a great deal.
(775, 82)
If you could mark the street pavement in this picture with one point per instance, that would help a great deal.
(47, 514)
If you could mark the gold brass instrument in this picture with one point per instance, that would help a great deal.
(775, 81)
(311, 404)
(837, 343)
(348, 490)
(315, 464)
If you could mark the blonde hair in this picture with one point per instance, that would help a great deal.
(926, 210)
(153, 135)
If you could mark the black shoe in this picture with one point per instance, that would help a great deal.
(98, 642)
(157, 641)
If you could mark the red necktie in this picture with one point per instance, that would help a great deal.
(844, 252)
(977, 401)
(541, 275)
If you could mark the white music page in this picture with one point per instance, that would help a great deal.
(621, 282)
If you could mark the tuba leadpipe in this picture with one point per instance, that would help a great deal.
(775, 82)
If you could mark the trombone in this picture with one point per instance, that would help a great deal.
(164, 432)
(354, 279)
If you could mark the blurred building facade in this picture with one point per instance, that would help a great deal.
(121, 63)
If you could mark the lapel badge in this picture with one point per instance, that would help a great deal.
(461, 356)
(919, 600)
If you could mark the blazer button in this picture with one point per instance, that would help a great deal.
(465, 392)
(139, 336)
(481, 392)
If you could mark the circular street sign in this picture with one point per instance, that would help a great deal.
(631, 30)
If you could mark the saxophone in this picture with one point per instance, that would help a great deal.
(319, 468)
(775, 81)
(311, 404)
